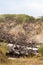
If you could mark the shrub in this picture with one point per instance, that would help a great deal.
(41, 50)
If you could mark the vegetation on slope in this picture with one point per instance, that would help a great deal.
(18, 17)
(25, 30)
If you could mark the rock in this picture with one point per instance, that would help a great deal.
(22, 50)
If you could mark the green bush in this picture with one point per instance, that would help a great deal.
(41, 50)
(24, 18)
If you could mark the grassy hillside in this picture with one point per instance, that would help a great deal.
(18, 17)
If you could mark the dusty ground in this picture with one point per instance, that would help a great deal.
(25, 61)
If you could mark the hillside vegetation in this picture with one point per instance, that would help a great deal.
(18, 17)
(14, 25)
(22, 31)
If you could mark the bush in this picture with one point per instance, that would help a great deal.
(41, 50)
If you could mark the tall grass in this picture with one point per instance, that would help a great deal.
(3, 57)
